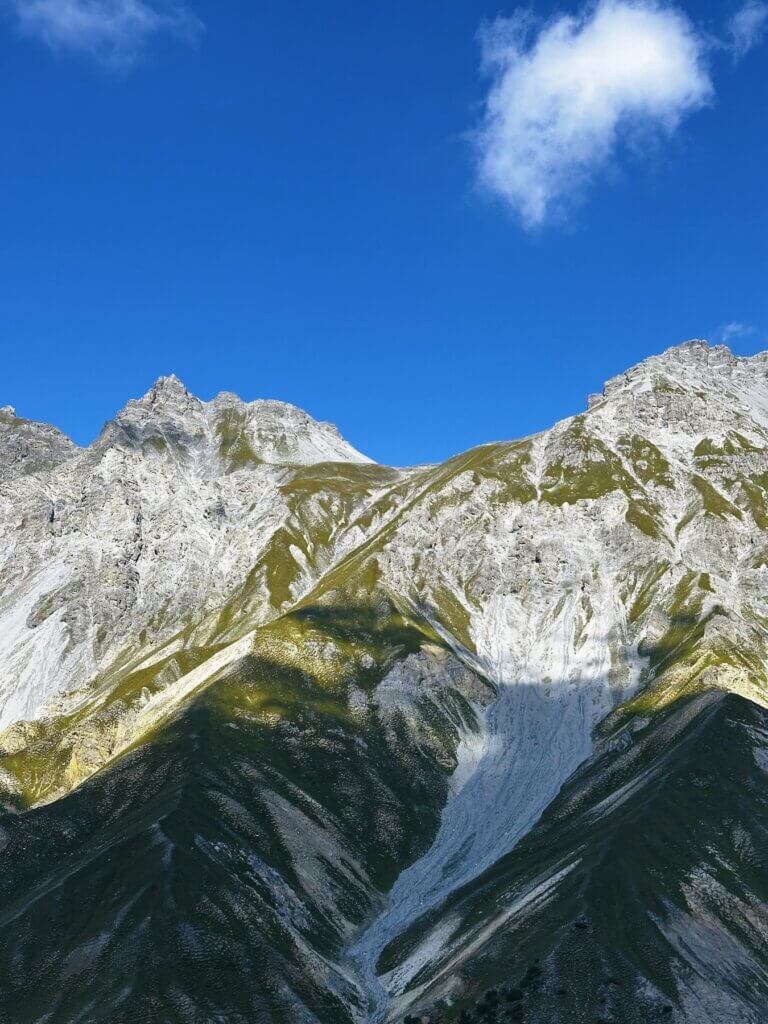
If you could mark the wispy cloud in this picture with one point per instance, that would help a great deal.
(747, 28)
(114, 32)
(735, 330)
(566, 94)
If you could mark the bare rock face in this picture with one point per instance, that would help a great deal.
(438, 694)
(135, 538)
(27, 448)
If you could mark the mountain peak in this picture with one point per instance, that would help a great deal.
(695, 365)
(169, 382)
(167, 410)
(694, 345)
(164, 388)
(269, 431)
(698, 350)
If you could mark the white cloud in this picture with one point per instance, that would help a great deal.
(566, 95)
(113, 31)
(736, 329)
(747, 27)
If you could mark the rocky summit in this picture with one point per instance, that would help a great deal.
(290, 736)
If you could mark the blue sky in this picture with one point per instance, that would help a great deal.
(312, 202)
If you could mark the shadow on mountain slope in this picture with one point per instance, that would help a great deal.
(218, 870)
(640, 895)
(221, 870)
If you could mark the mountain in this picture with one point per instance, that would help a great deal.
(113, 548)
(290, 736)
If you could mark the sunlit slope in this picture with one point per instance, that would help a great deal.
(332, 507)
(178, 508)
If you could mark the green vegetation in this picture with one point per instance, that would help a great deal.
(715, 503)
(733, 444)
(51, 756)
(755, 497)
(509, 466)
(234, 447)
(647, 462)
(645, 588)
(590, 470)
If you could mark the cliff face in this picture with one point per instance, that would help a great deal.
(334, 741)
